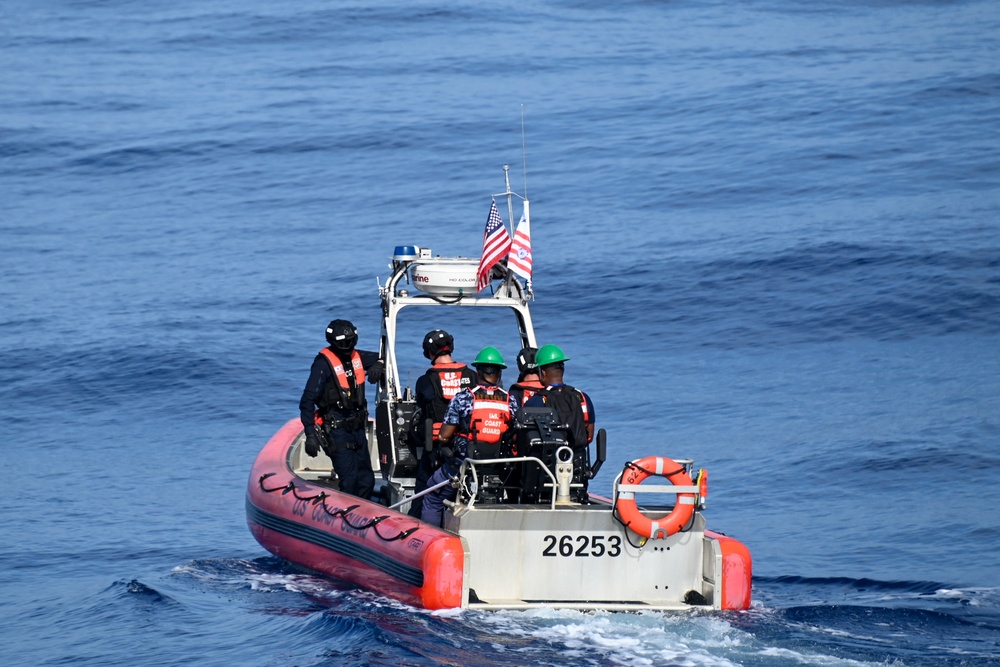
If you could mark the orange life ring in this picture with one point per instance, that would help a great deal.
(629, 512)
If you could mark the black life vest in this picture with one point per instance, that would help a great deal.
(571, 406)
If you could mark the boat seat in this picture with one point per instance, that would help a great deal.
(482, 450)
(540, 434)
(494, 479)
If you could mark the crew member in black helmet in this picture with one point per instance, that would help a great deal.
(434, 390)
(478, 414)
(333, 408)
(528, 382)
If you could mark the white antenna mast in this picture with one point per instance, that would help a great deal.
(524, 167)
(510, 194)
(524, 155)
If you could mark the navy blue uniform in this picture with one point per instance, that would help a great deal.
(345, 428)
(459, 413)
(579, 415)
(432, 400)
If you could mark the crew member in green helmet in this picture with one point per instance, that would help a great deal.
(573, 406)
(483, 413)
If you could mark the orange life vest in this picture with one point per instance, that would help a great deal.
(490, 417)
(338, 368)
(525, 389)
(447, 379)
(342, 397)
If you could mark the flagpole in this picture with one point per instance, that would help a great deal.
(522, 266)
(510, 198)
(527, 219)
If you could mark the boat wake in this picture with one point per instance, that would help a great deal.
(794, 621)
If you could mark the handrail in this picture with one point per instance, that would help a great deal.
(657, 488)
(617, 487)
(421, 494)
(468, 464)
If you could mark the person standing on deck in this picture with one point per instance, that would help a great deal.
(434, 391)
(334, 411)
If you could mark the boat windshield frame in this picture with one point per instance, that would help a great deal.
(509, 293)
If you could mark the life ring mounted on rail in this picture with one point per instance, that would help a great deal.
(628, 511)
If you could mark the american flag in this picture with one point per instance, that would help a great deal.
(496, 243)
(519, 259)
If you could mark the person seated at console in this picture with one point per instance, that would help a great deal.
(479, 417)
(574, 408)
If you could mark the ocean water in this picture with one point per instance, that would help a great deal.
(766, 232)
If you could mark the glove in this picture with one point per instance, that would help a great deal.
(376, 372)
(312, 444)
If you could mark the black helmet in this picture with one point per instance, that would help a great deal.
(438, 342)
(526, 360)
(341, 335)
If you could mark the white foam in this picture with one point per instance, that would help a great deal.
(240, 573)
(626, 639)
(293, 583)
(795, 657)
(976, 597)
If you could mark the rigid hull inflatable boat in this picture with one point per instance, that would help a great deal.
(519, 533)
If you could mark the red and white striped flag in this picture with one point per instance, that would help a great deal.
(519, 259)
(496, 243)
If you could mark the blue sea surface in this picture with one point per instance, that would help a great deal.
(767, 234)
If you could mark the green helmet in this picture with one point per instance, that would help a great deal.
(489, 356)
(549, 354)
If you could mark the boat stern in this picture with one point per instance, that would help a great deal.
(578, 556)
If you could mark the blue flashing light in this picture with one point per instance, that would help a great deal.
(405, 253)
